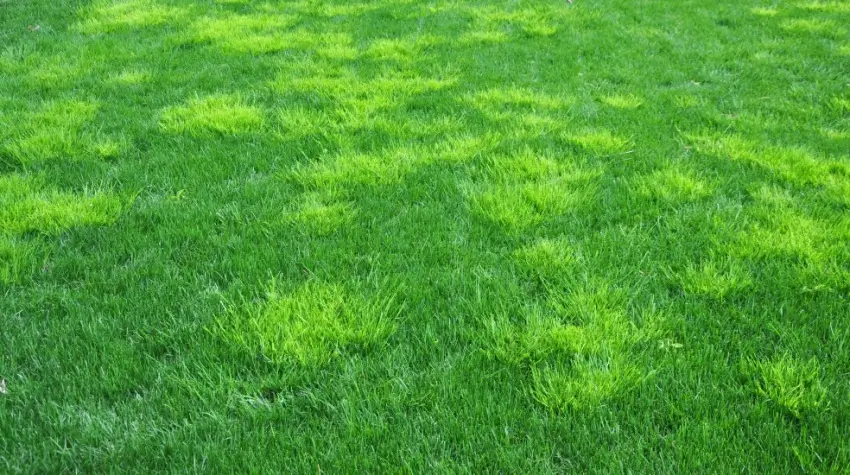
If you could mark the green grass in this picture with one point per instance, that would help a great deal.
(425, 236)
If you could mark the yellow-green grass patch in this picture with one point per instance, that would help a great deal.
(108, 16)
(262, 32)
(28, 206)
(321, 216)
(587, 384)
(56, 131)
(792, 384)
(219, 114)
(716, 277)
(311, 325)
(672, 186)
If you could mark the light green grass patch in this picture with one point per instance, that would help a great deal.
(130, 77)
(541, 336)
(54, 132)
(788, 234)
(338, 11)
(764, 11)
(588, 321)
(835, 134)
(772, 197)
(320, 216)
(517, 98)
(817, 26)
(671, 186)
(217, 114)
(337, 173)
(527, 165)
(400, 50)
(525, 21)
(792, 384)
(463, 147)
(686, 101)
(531, 338)
(303, 121)
(797, 165)
(449, 128)
(841, 104)
(827, 7)
(256, 33)
(477, 38)
(780, 229)
(622, 101)
(716, 278)
(311, 325)
(548, 258)
(108, 16)
(266, 33)
(333, 174)
(523, 190)
(56, 72)
(576, 346)
(25, 206)
(515, 207)
(598, 308)
(599, 142)
(108, 148)
(532, 125)
(586, 384)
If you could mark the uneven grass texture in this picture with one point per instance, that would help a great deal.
(432, 236)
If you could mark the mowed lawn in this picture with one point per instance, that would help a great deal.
(436, 236)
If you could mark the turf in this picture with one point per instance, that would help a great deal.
(425, 236)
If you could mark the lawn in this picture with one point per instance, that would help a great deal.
(435, 236)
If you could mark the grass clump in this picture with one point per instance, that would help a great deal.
(25, 206)
(548, 258)
(311, 325)
(219, 114)
(599, 143)
(672, 186)
(716, 278)
(317, 215)
(587, 384)
(793, 385)
(55, 132)
(521, 191)
(109, 16)
(576, 347)
(257, 34)
(516, 207)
